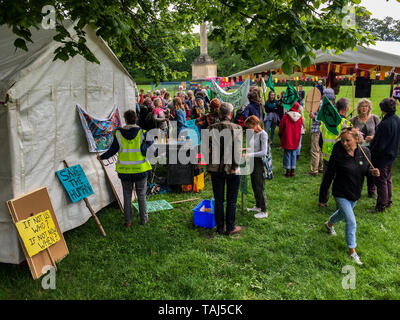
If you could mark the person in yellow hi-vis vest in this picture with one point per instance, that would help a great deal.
(327, 141)
(132, 165)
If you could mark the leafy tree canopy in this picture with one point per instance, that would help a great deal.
(387, 29)
(148, 34)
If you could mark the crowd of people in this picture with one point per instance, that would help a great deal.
(365, 147)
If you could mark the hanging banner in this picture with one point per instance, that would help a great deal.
(237, 98)
(99, 132)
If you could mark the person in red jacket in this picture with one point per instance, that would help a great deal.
(290, 132)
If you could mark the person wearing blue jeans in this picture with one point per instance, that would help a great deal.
(270, 124)
(345, 213)
(347, 167)
(290, 133)
(289, 159)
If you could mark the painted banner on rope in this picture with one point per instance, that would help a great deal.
(237, 98)
(99, 132)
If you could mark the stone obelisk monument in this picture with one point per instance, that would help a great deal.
(204, 66)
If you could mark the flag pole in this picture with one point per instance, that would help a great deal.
(366, 157)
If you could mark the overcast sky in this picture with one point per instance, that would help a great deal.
(382, 8)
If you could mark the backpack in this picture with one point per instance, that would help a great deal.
(239, 118)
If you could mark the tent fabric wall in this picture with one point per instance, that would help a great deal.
(40, 128)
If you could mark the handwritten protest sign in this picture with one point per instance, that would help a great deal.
(115, 182)
(38, 232)
(23, 208)
(75, 182)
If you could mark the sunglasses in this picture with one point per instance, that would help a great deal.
(347, 129)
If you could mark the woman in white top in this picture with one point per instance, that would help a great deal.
(259, 148)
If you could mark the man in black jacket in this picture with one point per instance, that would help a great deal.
(384, 150)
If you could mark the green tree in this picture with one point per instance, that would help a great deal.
(147, 34)
(387, 29)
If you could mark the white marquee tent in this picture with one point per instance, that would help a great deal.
(383, 53)
(40, 127)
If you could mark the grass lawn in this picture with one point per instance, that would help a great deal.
(286, 256)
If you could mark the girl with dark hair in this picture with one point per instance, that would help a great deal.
(255, 107)
(272, 118)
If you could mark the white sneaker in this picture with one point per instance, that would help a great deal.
(331, 230)
(356, 258)
(261, 215)
(254, 209)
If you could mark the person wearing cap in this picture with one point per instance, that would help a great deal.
(223, 165)
(384, 150)
(320, 86)
(132, 166)
(290, 132)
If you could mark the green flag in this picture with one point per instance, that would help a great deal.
(329, 116)
(290, 98)
(270, 83)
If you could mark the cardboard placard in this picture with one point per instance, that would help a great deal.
(75, 182)
(26, 206)
(313, 100)
(38, 232)
(115, 182)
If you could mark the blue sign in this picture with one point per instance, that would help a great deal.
(75, 182)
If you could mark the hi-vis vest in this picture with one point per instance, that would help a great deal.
(130, 158)
(329, 139)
